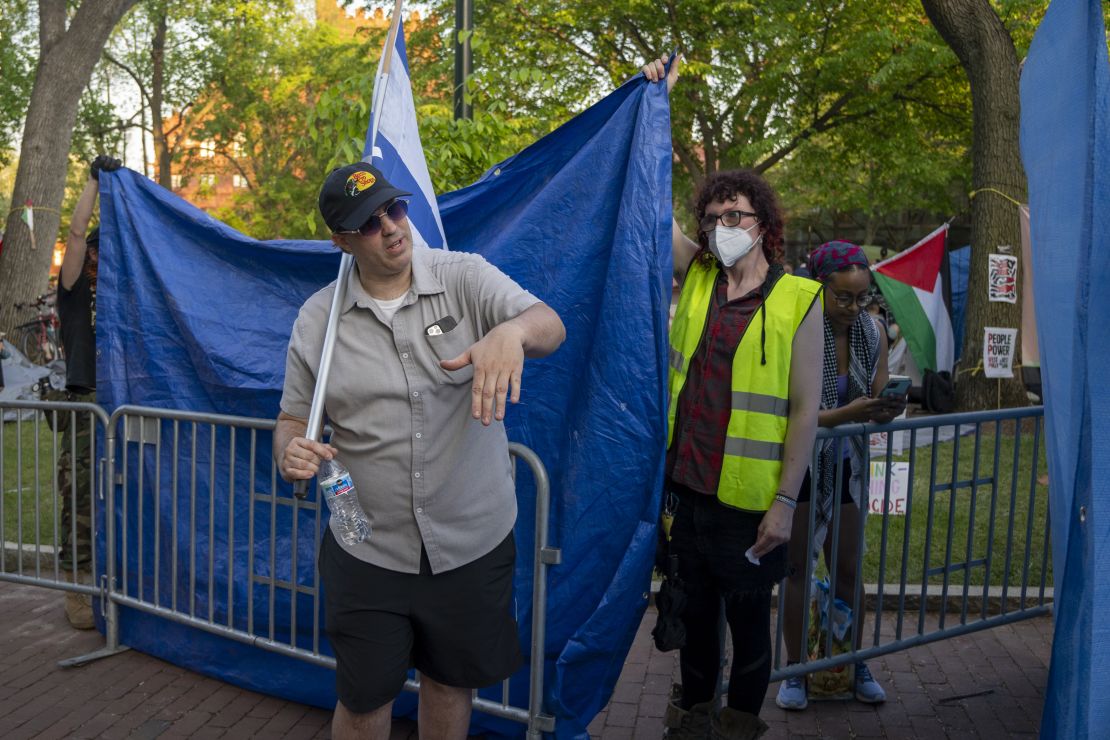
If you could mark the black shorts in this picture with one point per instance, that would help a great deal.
(456, 627)
(845, 482)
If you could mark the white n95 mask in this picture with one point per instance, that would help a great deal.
(730, 243)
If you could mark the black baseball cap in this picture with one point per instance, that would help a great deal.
(352, 193)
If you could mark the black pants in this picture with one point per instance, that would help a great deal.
(710, 540)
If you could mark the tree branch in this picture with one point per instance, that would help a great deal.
(187, 127)
(638, 39)
(123, 126)
(924, 103)
(824, 122)
(710, 139)
(132, 74)
(672, 17)
(562, 36)
(820, 54)
(223, 152)
(689, 160)
(830, 119)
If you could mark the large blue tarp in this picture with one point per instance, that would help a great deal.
(193, 315)
(1065, 145)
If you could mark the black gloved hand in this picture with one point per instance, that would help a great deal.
(103, 163)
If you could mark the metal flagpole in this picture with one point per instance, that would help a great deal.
(316, 413)
(464, 24)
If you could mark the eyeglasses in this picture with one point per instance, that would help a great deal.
(728, 218)
(847, 299)
(396, 211)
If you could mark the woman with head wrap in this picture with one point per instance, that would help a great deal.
(853, 374)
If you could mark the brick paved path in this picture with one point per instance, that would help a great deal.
(1006, 666)
(136, 696)
(129, 695)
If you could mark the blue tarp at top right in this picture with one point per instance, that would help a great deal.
(1065, 146)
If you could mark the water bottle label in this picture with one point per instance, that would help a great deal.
(337, 486)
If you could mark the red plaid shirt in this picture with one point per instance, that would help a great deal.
(705, 403)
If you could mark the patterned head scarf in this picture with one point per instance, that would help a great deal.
(832, 257)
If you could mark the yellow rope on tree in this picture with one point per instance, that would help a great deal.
(973, 193)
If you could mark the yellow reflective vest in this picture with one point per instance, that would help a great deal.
(756, 433)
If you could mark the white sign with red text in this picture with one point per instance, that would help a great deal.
(1002, 282)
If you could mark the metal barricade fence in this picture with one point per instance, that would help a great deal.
(176, 550)
(967, 550)
(48, 538)
(970, 552)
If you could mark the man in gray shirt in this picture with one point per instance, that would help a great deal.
(430, 346)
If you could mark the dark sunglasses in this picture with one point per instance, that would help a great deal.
(396, 211)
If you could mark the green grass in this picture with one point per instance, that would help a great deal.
(997, 491)
(21, 517)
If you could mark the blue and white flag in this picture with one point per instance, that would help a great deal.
(397, 151)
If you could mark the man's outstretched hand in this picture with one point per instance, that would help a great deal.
(498, 360)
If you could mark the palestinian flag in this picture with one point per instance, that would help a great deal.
(913, 284)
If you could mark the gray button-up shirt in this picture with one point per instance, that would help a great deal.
(426, 472)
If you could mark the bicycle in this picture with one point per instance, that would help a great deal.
(38, 339)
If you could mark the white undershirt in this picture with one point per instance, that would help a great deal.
(390, 307)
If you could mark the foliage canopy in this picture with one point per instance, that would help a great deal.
(857, 111)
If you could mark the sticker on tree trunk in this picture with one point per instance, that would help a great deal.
(1002, 278)
(998, 352)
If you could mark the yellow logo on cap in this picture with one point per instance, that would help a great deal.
(358, 182)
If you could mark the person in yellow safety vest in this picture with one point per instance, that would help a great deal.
(745, 383)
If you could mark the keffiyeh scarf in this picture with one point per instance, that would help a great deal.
(863, 344)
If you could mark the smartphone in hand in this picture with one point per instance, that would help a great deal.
(896, 388)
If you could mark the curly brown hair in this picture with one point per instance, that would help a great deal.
(728, 184)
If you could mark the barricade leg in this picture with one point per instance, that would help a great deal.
(108, 605)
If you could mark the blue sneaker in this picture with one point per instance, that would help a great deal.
(792, 694)
(868, 689)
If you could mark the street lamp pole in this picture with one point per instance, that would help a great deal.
(464, 22)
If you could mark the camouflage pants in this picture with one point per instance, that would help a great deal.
(75, 482)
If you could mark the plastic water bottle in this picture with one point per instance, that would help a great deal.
(350, 520)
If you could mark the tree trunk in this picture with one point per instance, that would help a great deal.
(66, 61)
(986, 52)
(162, 154)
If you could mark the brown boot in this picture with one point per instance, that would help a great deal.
(685, 724)
(732, 724)
(79, 612)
